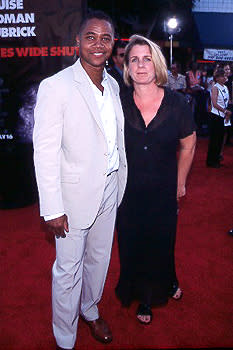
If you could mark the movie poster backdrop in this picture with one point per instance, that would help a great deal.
(37, 40)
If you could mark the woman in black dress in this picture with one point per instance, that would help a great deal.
(156, 121)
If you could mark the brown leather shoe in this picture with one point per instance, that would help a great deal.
(100, 330)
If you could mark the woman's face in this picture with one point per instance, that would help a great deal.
(141, 66)
(227, 70)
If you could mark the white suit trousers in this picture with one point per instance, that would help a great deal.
(80, 269)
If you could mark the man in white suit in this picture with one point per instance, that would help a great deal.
(81, 172)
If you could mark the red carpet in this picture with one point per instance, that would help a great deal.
(202, 319)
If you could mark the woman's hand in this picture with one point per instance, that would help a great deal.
(186, 153)
(181, 191)
(227, 115)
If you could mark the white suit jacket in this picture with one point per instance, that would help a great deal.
(70, 148)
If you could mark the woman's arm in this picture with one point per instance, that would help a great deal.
(186, 153)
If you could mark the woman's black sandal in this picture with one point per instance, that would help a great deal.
(144, 310)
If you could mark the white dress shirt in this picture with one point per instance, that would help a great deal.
(108, 118)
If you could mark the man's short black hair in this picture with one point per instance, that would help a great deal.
(98, 15)
(118, 44)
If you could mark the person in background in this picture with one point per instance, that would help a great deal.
(219, 116)
(156, 120)
(194, 77)
(81, 168)
(116, 71)
(229, 76)
(229, 84)
(196, 89)
(176, 81)
(210, 83)
(210, 77)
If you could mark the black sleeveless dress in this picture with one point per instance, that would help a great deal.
(147, 217)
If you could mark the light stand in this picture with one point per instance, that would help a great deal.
(171, 27)
(171, 38)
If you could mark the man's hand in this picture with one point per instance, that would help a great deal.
(58, 226)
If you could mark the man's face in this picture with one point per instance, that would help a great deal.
(95, 43)
(174, 69)
(119, 58)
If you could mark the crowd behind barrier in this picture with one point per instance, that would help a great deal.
(196, 82)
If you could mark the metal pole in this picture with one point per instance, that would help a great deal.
(171, 37)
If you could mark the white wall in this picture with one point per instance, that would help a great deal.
(225, 6)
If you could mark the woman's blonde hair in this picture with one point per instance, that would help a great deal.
(157, 58)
